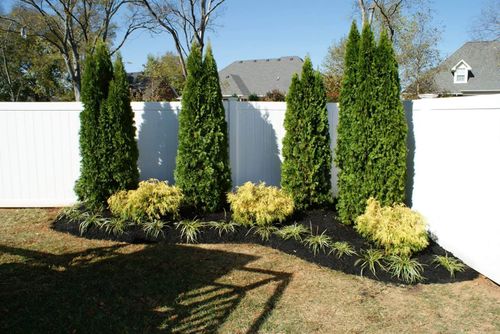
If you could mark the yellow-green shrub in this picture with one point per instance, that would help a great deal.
(152, 200)
(397, 229)
(259, 204)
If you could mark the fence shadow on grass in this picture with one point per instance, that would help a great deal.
(161, 288)
(157, 142)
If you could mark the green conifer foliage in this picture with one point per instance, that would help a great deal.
(386, 165)
(202, 165)
(353, 185)
(350, 168)
(305, 172)
(118, 145)
(98, 72)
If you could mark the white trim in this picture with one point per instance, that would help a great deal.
(467, 66)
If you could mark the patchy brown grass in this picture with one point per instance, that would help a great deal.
(55, 282)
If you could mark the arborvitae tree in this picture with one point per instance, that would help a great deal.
(118, 150)
(98, 72)
(345, 159)
(202, 165)
(305, 172)
(354, 187)
(386, 164)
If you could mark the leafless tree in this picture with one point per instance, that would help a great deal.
(486, 27)
(185, 20)
(73, 27)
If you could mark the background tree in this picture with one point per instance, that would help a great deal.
(185, 21)
(29, 69)
(73, 28)
(486, 27)
(118, 145)
(305, 172)
(160, 72)
(95, 85)
(202, 164)
(333, 69)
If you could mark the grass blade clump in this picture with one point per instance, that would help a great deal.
(190, 230)
(370, 258)
(405, 268)
(154, 228)
(341, 248)
(223, 227)
(318, 242)
(451, 264)
(263, 231)
(294, 231)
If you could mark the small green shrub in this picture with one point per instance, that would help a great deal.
(259, 204)
(190, 230)
(151, 201)
(294, 231)
(449, 263)
(370, 259)
(253, 97)
(115, 225)
(318, 242)
(397, 229)
(88, 220)
(341, 248)
(405, 268)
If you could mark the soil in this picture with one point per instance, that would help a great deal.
(318, 220)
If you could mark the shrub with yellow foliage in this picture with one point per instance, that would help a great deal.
(397, 229)
(151, 201)
(258, 204)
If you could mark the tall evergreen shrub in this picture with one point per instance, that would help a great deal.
(98, 72)
(305, 172)
(118, 145)
(386, 164)
(202, 165)
(353, 185)
(348, 163)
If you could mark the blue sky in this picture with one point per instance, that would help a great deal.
(254, 29)
(273, 28)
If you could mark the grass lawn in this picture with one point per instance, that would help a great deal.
(58, 283)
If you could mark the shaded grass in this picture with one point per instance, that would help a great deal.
(56, 282)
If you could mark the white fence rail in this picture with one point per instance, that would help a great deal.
(453, 164)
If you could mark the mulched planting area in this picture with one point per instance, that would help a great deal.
(317, 220)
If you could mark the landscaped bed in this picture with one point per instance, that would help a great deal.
(58, 282)
(318, 222)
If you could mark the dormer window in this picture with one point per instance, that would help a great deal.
(461, 72)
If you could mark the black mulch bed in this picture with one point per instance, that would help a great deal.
(319, 220)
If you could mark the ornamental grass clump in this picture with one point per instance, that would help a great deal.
(397, 229)
(258, 204)
(153, 200)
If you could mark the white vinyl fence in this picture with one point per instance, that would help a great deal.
(453, 161)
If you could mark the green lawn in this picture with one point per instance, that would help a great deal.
(53, 282)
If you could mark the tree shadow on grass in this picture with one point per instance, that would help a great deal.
(161, 288)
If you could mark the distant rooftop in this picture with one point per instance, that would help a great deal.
(481, 60)
(259, 76)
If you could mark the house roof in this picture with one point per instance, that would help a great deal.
(259, 76)
(484, 76)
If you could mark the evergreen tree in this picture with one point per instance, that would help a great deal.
(118, 145)
(354, 187)
(345, 159)
(202, 165)
(386, 165)
(305, 172)
(98, 71)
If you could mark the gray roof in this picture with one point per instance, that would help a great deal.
(259, 76)
(483, 58)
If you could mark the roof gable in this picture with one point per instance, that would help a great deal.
(459, 65)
